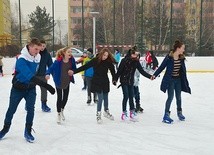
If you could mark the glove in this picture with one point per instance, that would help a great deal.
(41, 83)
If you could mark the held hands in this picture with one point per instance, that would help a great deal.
(47, 77)
(70, 72)
(152, 77)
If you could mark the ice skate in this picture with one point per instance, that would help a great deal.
(59, 118)
(27, 134)
(4, 131)
(180, 116)
(167, 119)
(62, 114)
(89, 100)
(108, 115)
(99, 120)
(133, 116)
(124, 116)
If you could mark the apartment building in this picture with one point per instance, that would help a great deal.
(75, 20)
(5, 20)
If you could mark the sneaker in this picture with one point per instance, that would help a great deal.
(124, 116)
(28, 136)
(99, 120)
(59, 117)
(167, 119)
(45, 108)
(133, 116)
(4, 131)
(180, 116)
(108, 115)
(62, 114)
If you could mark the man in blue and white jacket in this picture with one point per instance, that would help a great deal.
(24, 82)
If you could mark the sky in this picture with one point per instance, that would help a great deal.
(28, 6)
(80, 134)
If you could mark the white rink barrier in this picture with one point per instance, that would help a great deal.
(193, 64)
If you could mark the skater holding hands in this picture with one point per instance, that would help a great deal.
(61, 71)
(174, 79)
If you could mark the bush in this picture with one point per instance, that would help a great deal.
(9, 50)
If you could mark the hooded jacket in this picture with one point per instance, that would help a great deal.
(26, 66)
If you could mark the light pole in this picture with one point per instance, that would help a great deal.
(53, 24)
(83, 32)
(94, 30)
(20, 26)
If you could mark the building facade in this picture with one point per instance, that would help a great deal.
(75, 20)
(5, 20)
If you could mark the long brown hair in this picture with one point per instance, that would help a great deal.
(61, 53)
(177, 44)
(110, 56)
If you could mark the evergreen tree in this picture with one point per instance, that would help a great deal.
(41, 22)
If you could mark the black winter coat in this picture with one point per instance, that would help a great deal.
(46, 61)
(100, 80)
(127, 69)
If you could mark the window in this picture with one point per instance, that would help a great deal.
(76, 9)
(76, 20)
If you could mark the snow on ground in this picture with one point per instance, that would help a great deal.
(81, 135)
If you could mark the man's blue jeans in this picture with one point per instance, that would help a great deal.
(128, 93)
(15, 97)
(174, 85)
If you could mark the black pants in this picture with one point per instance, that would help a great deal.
(62, 98)
(137, 96)
(128, 94)
(1, 71)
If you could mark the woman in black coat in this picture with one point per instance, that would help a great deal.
(125, 72)
(100, 81)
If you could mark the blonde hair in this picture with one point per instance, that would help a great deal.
(61, 52)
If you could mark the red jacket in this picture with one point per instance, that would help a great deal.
(148, 57)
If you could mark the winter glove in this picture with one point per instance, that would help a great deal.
(21, 86)
(41, 83)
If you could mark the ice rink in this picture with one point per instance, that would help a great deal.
(80, 134)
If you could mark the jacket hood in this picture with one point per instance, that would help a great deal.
(26, 55)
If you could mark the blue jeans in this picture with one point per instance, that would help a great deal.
(175, 84)
(102, 96)
(128, 93)
(15, 97)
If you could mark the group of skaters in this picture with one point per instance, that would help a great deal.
(30, 70)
